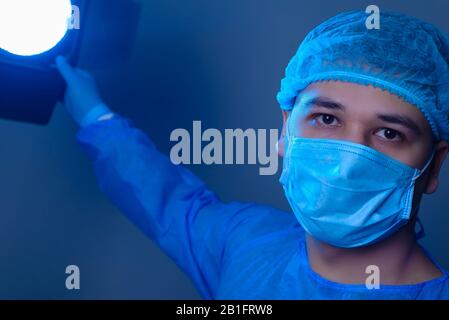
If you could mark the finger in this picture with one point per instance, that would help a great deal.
(65, 69)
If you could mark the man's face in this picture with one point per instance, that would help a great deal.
(368, 116)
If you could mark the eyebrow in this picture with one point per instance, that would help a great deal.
(323, 102)
(401, 120)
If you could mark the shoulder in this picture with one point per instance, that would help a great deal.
(440, 289)
(436, 289)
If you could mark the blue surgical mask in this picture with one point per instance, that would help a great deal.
(347, 194)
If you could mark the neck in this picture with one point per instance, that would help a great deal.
(399, 258)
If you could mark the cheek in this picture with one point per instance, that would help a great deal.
(299, 127)
(302, 131)
(414, 155)
(309, 132)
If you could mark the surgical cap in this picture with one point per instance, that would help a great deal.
(406, 56)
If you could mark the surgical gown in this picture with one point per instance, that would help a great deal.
(230, 250)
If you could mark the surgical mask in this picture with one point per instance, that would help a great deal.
(346, 194)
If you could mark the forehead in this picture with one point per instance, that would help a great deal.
(361, 100)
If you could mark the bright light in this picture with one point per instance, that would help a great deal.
(30, 27)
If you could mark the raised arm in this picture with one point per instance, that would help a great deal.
(165, 201)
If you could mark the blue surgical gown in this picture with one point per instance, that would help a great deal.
(230, 250)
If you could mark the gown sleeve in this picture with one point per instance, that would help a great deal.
(166, 201)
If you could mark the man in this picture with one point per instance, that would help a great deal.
(365, 135)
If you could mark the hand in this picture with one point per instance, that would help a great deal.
(82, 95)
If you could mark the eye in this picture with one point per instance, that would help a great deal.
(390, 134)
(325, 119)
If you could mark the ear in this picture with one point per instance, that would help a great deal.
(281, 140)
(441, 150)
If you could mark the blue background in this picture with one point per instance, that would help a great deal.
(215, 61)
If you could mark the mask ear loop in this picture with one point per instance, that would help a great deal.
(287, 143)
(420, 233)
(287, 124)
(420, 172)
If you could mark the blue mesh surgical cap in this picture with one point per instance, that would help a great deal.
(406, 56)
